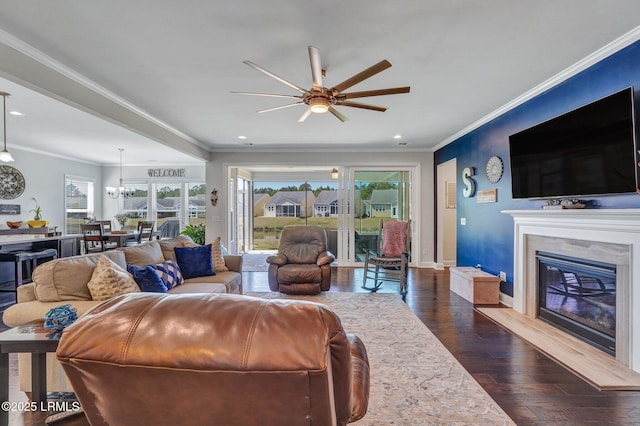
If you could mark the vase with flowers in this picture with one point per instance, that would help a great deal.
(37, 221)
(122, 219)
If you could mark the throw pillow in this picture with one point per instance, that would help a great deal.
(109, 280)
(170, 273)
(195, 261)
(218, 258)
(147, 278)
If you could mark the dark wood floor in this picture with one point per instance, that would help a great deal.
(531, 388)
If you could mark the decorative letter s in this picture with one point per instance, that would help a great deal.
(469, 184)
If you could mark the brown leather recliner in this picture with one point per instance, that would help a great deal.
(303, 264)
(204, 359)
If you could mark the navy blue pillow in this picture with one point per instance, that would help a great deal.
(195, 261)
(147, 278)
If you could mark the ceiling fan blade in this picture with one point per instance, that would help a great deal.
(363, 75)
(337, 114)
(316, 67)
(280, 79)
(281, 107)
(380, 92)
(304, 116)
(268, 94)
(363, 106)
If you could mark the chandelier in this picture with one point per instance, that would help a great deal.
(121, 190)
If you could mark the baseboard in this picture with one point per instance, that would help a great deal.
(506, 300)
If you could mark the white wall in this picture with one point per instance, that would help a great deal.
(44, 180)
(217, 217)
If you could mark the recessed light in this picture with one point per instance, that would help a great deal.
(15, 113)
(397, 136)
(242, 137)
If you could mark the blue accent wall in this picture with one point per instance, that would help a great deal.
(487, 238)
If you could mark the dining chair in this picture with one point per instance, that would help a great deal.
(106, 225)
(94, 238)
(145, 232)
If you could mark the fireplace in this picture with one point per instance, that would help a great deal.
(605, 236)
(578, 296)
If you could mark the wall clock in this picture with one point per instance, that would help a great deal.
(11, 182)
(494, 169)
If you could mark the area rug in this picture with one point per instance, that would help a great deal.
(255, 262)
(414, 379)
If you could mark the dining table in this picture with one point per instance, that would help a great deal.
(121, 239)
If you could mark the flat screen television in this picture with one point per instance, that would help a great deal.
(588, 151)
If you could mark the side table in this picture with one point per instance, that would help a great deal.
(31, 338)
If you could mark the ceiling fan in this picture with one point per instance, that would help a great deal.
(321, 99)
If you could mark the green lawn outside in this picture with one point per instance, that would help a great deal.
(266, 230)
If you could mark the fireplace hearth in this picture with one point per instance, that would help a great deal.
(600, 235)
(578, 296)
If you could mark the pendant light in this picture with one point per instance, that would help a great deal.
(116, 192)
(5, 156)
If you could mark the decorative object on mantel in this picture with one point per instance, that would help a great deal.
(469, 184)
(37, 221)
(14, 225)
(11, 182)
(568, 203)
(214, 197)
(494, 169)
(121, 190)
(5, 156)
(122, 219)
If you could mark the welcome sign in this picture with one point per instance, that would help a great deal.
(167, 173)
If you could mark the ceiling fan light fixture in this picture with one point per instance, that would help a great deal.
(319, 105)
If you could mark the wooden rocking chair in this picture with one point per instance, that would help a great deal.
(390, 262)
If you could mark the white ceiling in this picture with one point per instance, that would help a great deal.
(173, 64)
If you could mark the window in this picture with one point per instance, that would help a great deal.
(79, 202)
(137, 206)
(196, 203)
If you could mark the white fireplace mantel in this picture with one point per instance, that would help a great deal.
(613, 226)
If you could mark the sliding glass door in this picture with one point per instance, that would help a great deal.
(371, 195)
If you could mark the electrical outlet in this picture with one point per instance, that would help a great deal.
(463, 221)
(503, 276)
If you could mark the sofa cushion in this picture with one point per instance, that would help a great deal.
(231, 280)
(66, 278)
(195, 261)
(144, 254)
(167, 246)
(218, 258)
(147, 278)
(199, 288)
(110, 280)
(170, 274)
